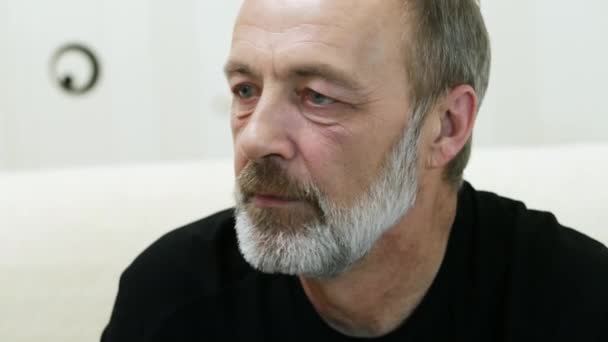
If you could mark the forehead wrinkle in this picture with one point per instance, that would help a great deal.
(285, 63)
(276, 47)
(293, 27)
(312, 41)
(277, 39)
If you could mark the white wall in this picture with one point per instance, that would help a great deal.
(162, 95)
(4, 93)
(549, 72)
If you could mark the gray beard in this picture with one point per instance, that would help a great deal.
(326, 250)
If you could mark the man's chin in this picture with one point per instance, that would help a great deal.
(290, 250)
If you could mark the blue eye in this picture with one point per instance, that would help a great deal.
(245, 91)
(319, 99)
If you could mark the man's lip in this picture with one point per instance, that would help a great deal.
(271, 200)
(274, 197)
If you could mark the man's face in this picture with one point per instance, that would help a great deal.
(318, 119)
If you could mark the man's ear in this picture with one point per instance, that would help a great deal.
(453, 124)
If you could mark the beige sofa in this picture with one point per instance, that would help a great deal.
(66, 235)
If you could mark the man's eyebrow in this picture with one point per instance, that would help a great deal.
(329, 73)
(237, 68)
(318, 70)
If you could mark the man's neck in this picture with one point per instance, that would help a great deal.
(382, 290)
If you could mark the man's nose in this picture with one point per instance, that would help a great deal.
(266, 132)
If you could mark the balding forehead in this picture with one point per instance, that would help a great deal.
(275, 37)
(367, 21)
(278, 15)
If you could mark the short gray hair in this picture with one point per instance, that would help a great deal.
(446, 45)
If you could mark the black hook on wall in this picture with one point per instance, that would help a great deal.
(66, 81)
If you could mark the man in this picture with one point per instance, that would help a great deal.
(352, 122)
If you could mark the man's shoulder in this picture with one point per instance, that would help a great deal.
(549, 269)
(535, 233)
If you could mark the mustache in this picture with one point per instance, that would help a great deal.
(268, 177)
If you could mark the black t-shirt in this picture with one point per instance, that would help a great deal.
(509, 274)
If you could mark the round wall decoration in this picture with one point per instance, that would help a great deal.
(75, 68)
